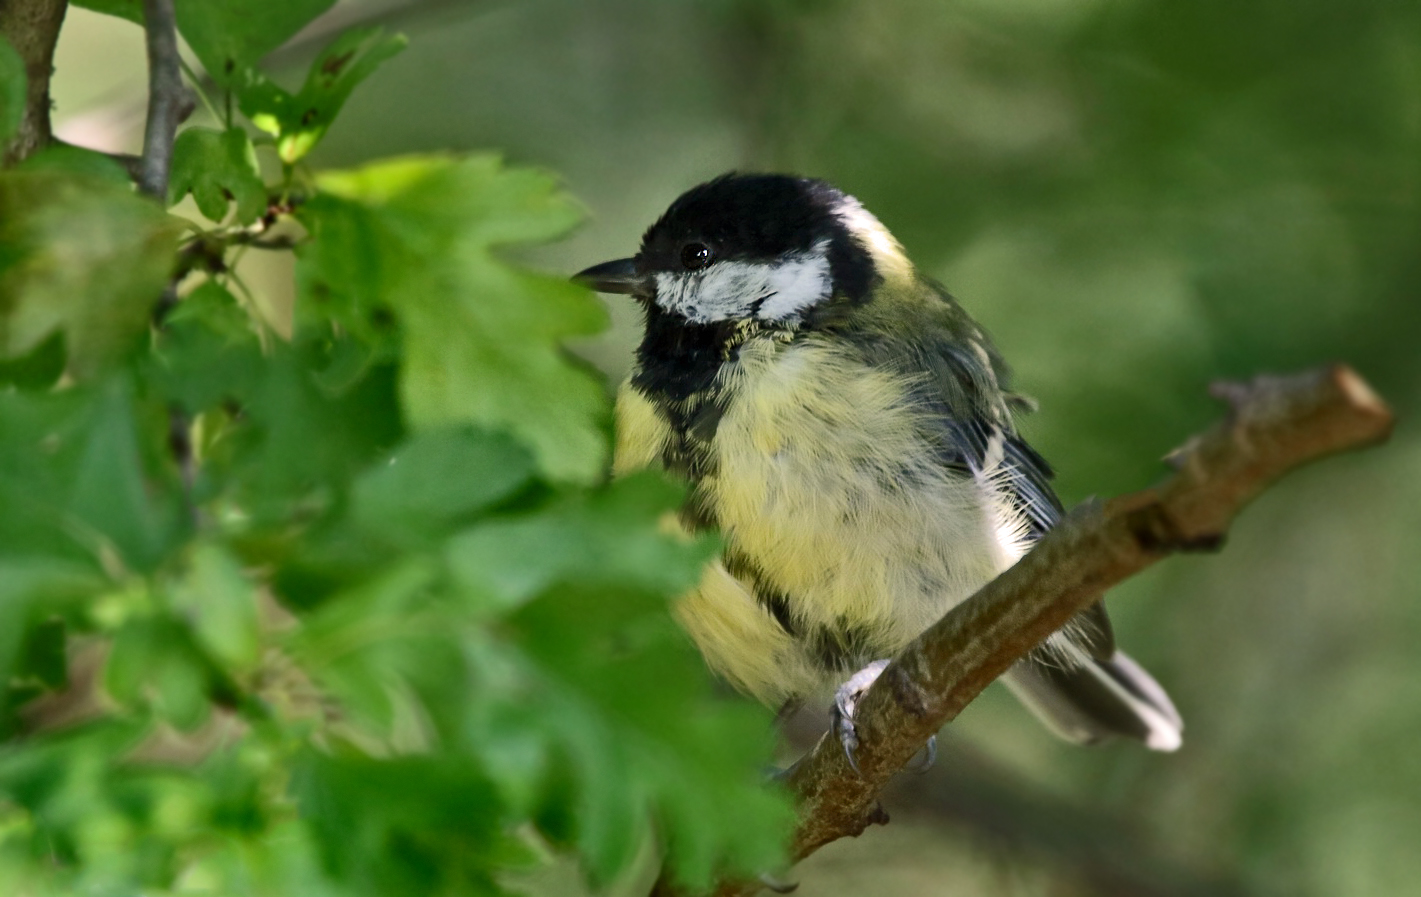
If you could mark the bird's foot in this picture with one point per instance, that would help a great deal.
(846, 700)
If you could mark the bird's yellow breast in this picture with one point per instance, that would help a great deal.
(828, 478)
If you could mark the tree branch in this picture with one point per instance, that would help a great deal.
(32, 28)
(168, 100)
(1274, 425)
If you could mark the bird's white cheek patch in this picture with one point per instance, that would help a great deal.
(797, 285)
(731, 290)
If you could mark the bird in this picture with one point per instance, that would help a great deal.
(848, 429)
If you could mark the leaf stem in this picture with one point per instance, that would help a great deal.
(195, 84)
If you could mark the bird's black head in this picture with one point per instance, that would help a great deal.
(767, 247)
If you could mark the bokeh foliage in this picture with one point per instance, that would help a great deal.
(345, 605)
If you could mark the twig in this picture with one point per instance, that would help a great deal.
(1274, 424)
(169, 103)
(32, 28)
(208, 250)
(168, 100)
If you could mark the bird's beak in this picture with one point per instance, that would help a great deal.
(613, 277)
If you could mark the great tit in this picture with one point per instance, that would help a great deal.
(847, 427)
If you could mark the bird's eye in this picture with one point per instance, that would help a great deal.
(696, 256)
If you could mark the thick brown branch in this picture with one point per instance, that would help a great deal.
(32, 28)
(1274, 425)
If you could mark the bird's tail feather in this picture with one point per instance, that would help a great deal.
(1094, 699)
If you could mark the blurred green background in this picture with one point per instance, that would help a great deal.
(1136, 198)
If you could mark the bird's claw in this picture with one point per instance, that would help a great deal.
(774, 884)
(848, 737)
(846, 701)
(929, 757)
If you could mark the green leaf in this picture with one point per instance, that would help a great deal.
(638, 720)
(366, 645)
(81, 255)
(406, 825)
(233, 35)
(218, 167)
(30, 590)
(220, 606)
(154, 662)
(613, 536)
(132, 10)
(300, 438)
(40, 368)
(207, 351)
(345, 275)
(13, 88)
(300, 121)
(76, 160)
(437, 479)
(38, 452)
(111, 493)
(84, 473)
(482, 339)
(625, 720)
(44, 656)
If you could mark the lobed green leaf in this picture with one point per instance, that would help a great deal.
(83, 475)
(207, 352)
(625, 712)
(218, 168)
(606, 537)
(438, 479)
(299, 121)
(406, 825)
(482, 340)
(82, 255)
(232, 36)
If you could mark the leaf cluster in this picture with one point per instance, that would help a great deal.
(346, 608)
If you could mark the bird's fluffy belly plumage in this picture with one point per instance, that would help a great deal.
(846, 535)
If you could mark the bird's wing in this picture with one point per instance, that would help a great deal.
(980, 438)
(1080, 686)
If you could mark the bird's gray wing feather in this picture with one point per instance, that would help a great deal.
(1100, 692)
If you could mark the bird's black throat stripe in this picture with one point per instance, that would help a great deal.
(678, 359)
(677, 363)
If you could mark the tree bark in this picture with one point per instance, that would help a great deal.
(32, 28)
